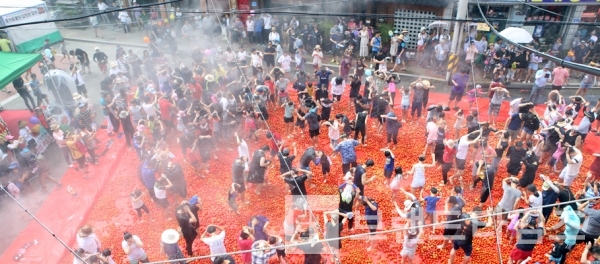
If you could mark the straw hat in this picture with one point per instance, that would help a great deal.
(119, 80)
(113, 64)
(408, 204)
(86, 230)
(426, 83)
(209, 78)
(318, 47)
(22, 124)
(76, 96)
(401, 37)
(545, 186)
(169, 236)
(450, 143)
(54, 127)
(561, 123)
(405, 30)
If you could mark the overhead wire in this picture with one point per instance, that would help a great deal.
(383, 232)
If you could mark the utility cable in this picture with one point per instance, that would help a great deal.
(458, 221)
(42, 225)
(567, 64)
(84, 16)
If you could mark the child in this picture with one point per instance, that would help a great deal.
(388, 167)
(106, 256)
(409, 246)
(472, 124)
(300, 121)
(395, 184)
(232, 197)
(460, 118)
(325, 166)
(559, 251)
(334, 132)
(250, 126)
(138, 203)
(556, 156)
(35, 88)
(430, 207)
(63, 50)
(310, 90)
(472, 95)
(405, 103)
(511, 229)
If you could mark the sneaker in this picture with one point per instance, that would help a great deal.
(71, 165)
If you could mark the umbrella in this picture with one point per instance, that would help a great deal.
(517, 35)
(438, 24)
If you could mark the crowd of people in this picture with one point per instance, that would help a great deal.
(224, 99)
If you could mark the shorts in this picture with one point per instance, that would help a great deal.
(136, 261)
(420, 48)
(164, 203)
(558, 88)
(585, 86)
(387, 173)
(405, 107)
(513, 134)
(81, 162)
(372, 226)
(498, 210)
(288, 119)
(313, 133)
(549, 147)
(517, 254)
(528, 130)
(337, 97)
(241, 188)
(460, 164)
(280, 253)
(468, 249)
(494, 109)
(406, 254)
(533, 66)
(81, 89)
(455, 96)
(449, 232)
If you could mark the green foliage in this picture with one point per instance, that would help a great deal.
(384, 29)
(324, 27)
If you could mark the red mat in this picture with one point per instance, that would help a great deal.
(103, 202)
(12, 118)
(64, 214)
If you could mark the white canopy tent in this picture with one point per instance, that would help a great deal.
(30, 37)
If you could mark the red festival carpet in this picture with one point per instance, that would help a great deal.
(103, 202)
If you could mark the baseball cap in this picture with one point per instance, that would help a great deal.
(194, 200)
(96, 48)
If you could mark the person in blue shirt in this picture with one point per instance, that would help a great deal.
(388, 167)
(148, 173)
(35, 88)
(323, 76)
(259, 224)
(514, 125)
(430, 206)
(258, 28)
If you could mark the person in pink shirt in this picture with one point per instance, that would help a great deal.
(560, 75)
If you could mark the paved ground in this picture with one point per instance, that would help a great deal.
(15, 219)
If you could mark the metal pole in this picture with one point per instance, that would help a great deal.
(460, 15)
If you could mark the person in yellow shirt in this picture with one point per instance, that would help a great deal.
(4, 44)
(77, 152)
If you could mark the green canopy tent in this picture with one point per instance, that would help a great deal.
(12, 65)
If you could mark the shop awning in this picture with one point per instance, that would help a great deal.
(15, 64)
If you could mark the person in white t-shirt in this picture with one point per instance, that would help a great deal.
(462, 149)
(285, 61)
(574, 161)
(134, 248)
(87, 240)
(214, 241)
(243, 151)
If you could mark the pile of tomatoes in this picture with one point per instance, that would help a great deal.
(112, 213)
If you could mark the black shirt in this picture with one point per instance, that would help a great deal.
(354, 88)
(379, 57)
(18, 83)
(183, 220)
(312, 253)
(360, 121)
(500, 54)
(308, 156)
(358, 174)
(529, 237)
(285, 163)
(297, 186)
(468, 231)
(269, 57)
(100, 57)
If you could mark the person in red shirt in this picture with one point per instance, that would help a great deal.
(271, 85)
(291, 220)
(448, 159)
(196, 89)
(165, 106)
(274, 141)
(245, 242)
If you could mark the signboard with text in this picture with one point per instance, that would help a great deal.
(26, 14)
